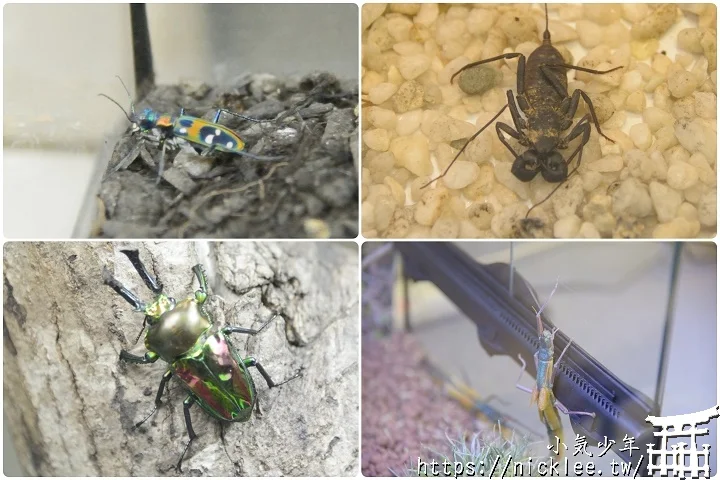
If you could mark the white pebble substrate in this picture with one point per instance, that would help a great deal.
(658, 180)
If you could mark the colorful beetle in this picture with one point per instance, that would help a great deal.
(211, 135)
(197, 350)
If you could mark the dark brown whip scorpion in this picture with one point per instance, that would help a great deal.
(542, 95)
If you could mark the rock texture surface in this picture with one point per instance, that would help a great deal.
(71, 404)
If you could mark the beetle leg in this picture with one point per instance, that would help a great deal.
(247, 331)
(152, 283)
(145, 321)
(149, 357)
(158, 402)
(188, 424)
(207, 151)
(581, 69)
(251, 362)
(128, 295)
(505, 56)
(557, 85)
(465, 146)
(201, 295)
(161, 167)
(593, 115)
(573, 108)
(152, 138)
(147, 158)
(519, 122)
(501, 128)
(260, 158)
(563, 92)
(222, 110)
(582, 127)
(565, 106)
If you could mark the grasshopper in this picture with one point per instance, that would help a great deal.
(542, 391)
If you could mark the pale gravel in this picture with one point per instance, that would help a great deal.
(660, 109)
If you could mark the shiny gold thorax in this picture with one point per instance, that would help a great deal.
(177, 330)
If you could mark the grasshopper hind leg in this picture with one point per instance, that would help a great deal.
(564, 410)
(522, 370)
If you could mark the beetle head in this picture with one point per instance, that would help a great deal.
(161, 305)
(146, 121)
(545, 145)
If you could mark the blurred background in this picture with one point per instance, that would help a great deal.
(612, 301)
(57, 131)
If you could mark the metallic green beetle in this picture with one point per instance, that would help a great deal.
(197, 350)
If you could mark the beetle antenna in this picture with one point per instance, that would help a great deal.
(550, 195)
(119, 106)
(259, 157)
(132, 105)
(145, 321)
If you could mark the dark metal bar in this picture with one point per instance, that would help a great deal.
(142, 52)
(506, 326)
(669, 320)
(511, 286)
(406, 297)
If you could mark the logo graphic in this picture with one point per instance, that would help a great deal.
(681, 453)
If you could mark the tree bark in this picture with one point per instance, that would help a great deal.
(71, 405)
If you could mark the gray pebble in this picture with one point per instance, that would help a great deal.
(285, 136)
(339, 128)
(354, 148)
(263, 84)
(180, 180)
(132, 196)
(338, 192)
(268, 109)
(316, 109)
(313, 205)
(115, 229)
(193, 164)
(478, 80)
(195, 89)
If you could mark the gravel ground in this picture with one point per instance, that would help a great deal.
(311, 191)
(404, 414)
(656, 178)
